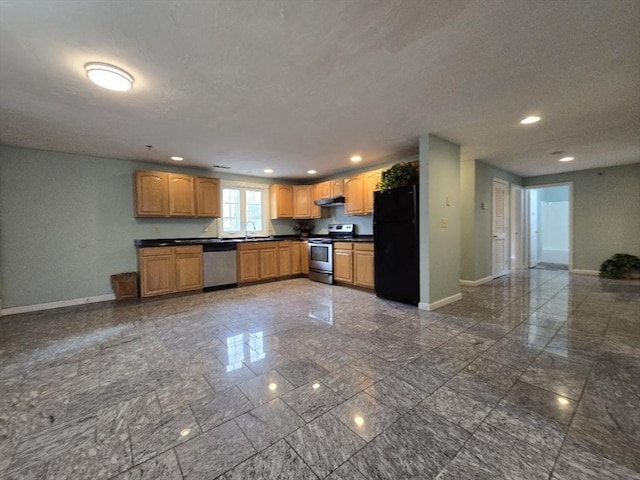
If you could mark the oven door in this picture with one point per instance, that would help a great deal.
(321, 257)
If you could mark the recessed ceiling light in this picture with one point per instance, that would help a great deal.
(356, 158)
(529, 120)
(311, 172)
(109, 77)
(566, 159)
(177, 159)
(268, 170)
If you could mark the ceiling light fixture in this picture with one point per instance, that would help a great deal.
(311, 172)
(109, 77)
(356, 158)
(177, 159)
(529, 120)
(268, 170)
(566, 159)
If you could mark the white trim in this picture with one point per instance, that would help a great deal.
(584, 272)
(440, 303)
(475, 283)
(63, 303)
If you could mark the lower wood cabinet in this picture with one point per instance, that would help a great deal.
(353, 263)
(166, 270)
(304, 258)
(267, 260)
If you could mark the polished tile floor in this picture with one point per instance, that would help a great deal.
(535, 375)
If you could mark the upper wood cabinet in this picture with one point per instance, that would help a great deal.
(281, 201)
(302, 201)
(163, 194)
(316, 211)
(371, 180)
(323, 190)
(181, 195)
(354, 195)
(336, 187)
(207, 197)
(152, 194)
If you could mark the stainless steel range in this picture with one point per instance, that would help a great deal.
(321, 252)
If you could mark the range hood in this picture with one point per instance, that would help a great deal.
(330, 202)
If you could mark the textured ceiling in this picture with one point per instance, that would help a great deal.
(296, 84)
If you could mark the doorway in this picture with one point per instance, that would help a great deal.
(500, 229)
(549, 226)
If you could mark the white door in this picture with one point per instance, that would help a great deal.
(500, 229)
(516, 227)
(534, 229)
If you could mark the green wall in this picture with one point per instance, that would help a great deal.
(606, 212)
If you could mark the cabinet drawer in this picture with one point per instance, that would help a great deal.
(343, 246)
(155, 251)
(363, 247)
(188, 249)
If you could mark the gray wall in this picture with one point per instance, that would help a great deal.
(67, 224)
(606, 212)
(439, 247)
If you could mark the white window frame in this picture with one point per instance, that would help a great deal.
(261, 230)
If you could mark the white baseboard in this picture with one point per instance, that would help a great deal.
(475, 283)
(440, 303)
(584, 272)
(63, 303)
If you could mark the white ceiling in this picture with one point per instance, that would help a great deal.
(299, 84)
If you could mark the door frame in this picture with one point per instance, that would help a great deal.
(527, 243)
(516, 227)
(507, 236)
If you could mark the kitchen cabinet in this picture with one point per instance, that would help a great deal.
(163, 194)
(302, 201)
(343, 262)
(354, 195)
(281, 201)
(296, 258)
(336, 187)
(353, 263)
(152, 194)
(257, 261)
(371, 180)
(284, 259)
(316, 211)
(323, 189)
(181, 195)
(304, 256)
(207, 197)
(363, 265)
(166, 270)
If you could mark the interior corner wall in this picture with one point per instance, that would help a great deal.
(606, 212)
(467, 218)
(439, 219)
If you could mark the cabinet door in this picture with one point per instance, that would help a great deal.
(337, 187)
(181, 195)
(156, 271)
(189, 269)
(248, 270)
(316, 211)
(296, 259)
(281, 201)
(152, 194)
(269, 262)
(302, 201)
(343, 266)
(304, 258)
(353, 192)
(207, 197)
(371, 180)
(324, 190)
(284, 259)
(363, 265)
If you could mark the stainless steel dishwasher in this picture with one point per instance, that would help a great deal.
(220, 270)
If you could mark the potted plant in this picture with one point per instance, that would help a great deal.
(399, 175)
(304, 227)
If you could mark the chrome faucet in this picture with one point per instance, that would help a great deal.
(246, 229)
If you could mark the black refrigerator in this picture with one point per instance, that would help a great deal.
(396, 244)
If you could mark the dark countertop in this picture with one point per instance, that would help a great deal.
(173, 242)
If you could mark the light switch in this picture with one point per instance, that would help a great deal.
(443, 222)
(483, 206)
(448, 202)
